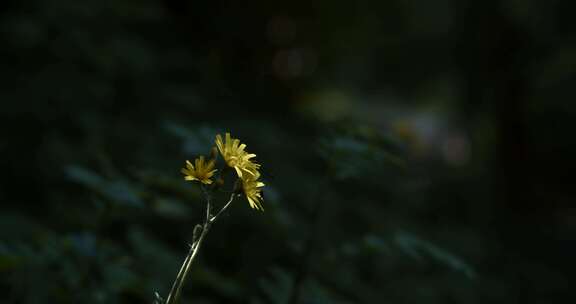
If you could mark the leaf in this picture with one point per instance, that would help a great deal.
(119, 190)
(194, 141)
(171, 208)
(84, 176)
(351, 157)
(419, 249)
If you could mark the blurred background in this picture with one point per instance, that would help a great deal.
(414, 151)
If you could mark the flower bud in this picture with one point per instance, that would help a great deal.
(214, 153)
(196, 233)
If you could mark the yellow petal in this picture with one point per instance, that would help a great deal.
(238, 171)
(249, 172)
(241, 148)
(228, 142)
(251, 202)
(235, 144)
(220, 144)
(189, 165)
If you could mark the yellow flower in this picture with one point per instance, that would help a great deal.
(200, 171)
(235, 156)
(251, 187)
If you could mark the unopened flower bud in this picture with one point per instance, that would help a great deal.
(196, 233)
(214, 153)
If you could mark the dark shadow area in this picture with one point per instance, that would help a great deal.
(413, 151)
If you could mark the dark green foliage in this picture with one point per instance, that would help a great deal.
(409, 150)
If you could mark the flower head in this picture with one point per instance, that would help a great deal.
(235, 156)
(201, 171)
(251, 188)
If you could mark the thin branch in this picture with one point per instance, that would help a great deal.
(223, 208)
(174, 294)
(195, 250)
(176, 289)
(178, 280)
(208, 203)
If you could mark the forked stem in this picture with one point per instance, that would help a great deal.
(174, 294)
(223, 208)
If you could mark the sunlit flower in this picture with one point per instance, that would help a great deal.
(201, 171)
(235, 156)
(251, 188)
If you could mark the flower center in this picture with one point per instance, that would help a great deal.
(233, 161)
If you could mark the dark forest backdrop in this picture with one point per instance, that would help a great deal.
(414, 151)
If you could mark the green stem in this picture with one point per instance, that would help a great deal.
(175, 291)
(223, 208)
(193, 252)
(178, 280)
